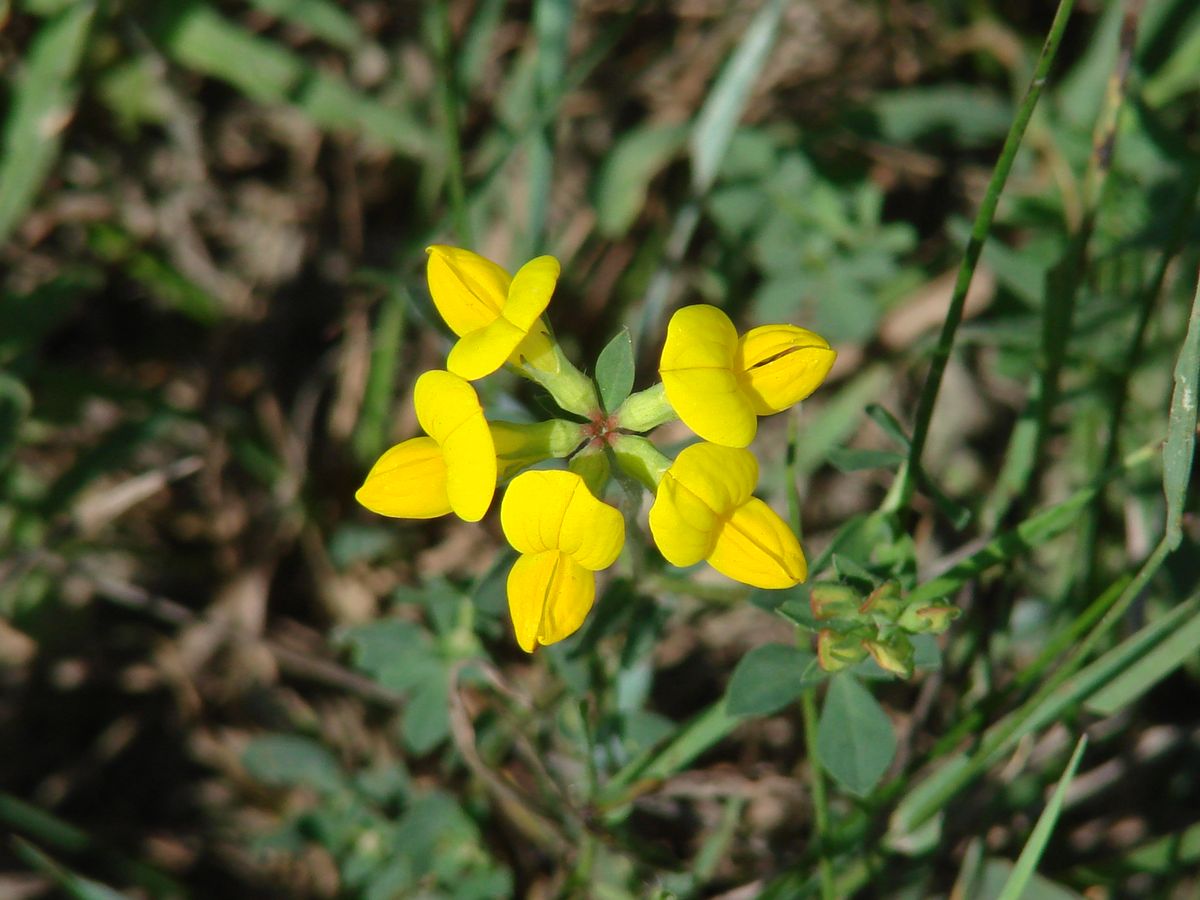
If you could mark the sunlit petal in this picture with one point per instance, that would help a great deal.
(549, 596)
(449, 411)
(703, 485)
(683, 527)
(484, 350)
(699, 379)
(779, 365)
(468, 290)
(756, 547)
(554, 510)
(408, 482)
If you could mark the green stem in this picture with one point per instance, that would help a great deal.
(448, 100)
(808, 698)
(902, 489)
(808, 707)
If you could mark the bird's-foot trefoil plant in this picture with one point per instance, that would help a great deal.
(703, 510)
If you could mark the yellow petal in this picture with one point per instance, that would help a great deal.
(554, 510)
(468, 290)
(408, 482)
(537, 350)
(756, 547)
(722, 477)
(449, 411)
(697, 373)
(483, 351)
(779, 365)
(549, 596)
(683, 527)
(704, 484)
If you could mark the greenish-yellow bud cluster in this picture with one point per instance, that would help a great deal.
(879, 624)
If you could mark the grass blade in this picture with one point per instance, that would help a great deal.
(196, 36)
(715, 125)
(1181, 427)
(1146, 672)
(321, 18)
(41, 103)
(1036, 845)
(371, 434)
(718, 118)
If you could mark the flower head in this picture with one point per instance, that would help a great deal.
(453, 469)
(704, 509)
(496, 316)
(563, 534)
(719, 384)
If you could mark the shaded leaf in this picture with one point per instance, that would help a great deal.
(770, 677)
(854, 736)
(614, 370)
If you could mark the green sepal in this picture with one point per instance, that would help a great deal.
(838, 651)
(830, 600)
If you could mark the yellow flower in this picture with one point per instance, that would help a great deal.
(563, 534)
(704, 509)
(719, 384)
(496, 316)
(454, 468)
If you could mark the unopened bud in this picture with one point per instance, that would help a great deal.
(895, 655)
(928, 619)
(884, 601)
(837, 651)
(830, 600)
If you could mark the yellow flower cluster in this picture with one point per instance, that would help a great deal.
(704, 508)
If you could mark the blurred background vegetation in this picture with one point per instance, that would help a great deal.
(219, 677)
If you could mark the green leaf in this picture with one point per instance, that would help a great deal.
(614, 370)
(197, 36)
(1181, 427)
(970, 115)
(770, 677)
(1179, 645)
(289, 760)
(996, 873)
(426, 720)
(14, 407)
(891, 426)
(855, 740)
(702, 732)
(41, 102)
(853, 459)
(625, 176)
(722, 109)
(1018, 882)
(164, 282)
(321, 18)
